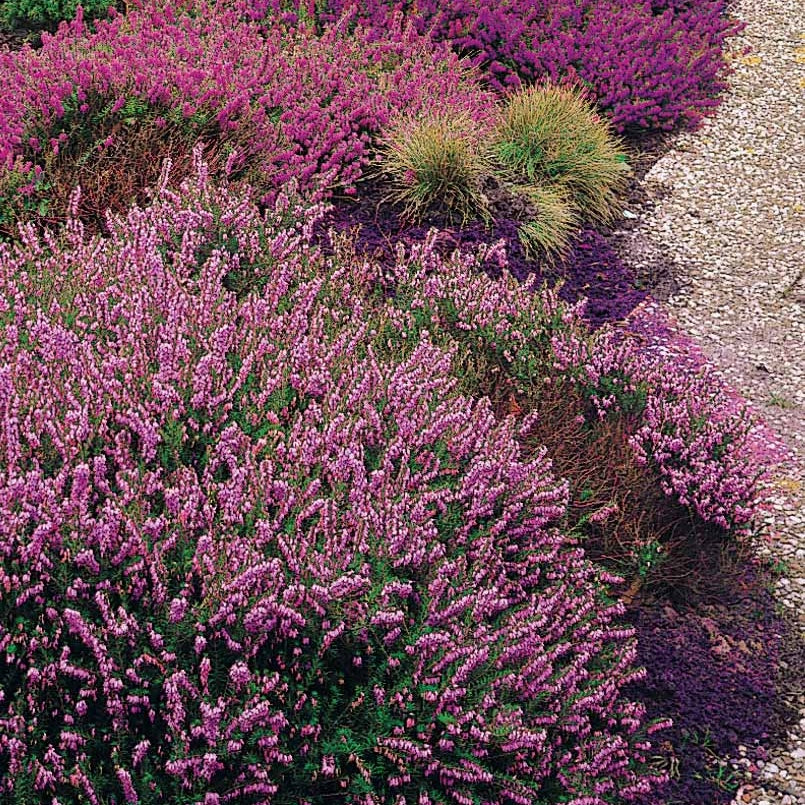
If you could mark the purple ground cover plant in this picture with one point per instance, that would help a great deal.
(715, 671)
(257, 546)
(592, 270)
(647, 64)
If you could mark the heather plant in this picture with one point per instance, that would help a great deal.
(551, 135)
(258, 545)
(647, 63)
(293, 103)
(665, 475)
(690, 430)
(681, 423)
(437, 162)
(115, 151)
(624, 518)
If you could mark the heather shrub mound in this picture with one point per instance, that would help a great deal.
(116, 156)
(259, 545)
(662, 463)
(549, 135)
(696, 436)
(647, 63)
(293, 104)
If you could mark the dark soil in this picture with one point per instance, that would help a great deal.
(15, 38)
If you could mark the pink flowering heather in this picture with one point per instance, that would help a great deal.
(294, 104)
(682, 421)
(696, 435)
(648, 63)
(257, 547)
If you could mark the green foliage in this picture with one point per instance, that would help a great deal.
(48, 13)
(551, 135)
(436, 163)
(23, 194)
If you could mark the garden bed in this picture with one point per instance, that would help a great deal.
(313, 485)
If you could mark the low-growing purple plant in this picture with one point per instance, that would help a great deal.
(591, 269)
(647, 63)
(714, 672)
(257, 547)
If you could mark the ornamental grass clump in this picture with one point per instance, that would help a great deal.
(257, 544)
(554, 220)
(550, 135)
(437, 162)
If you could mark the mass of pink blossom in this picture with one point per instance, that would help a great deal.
(266, 534)
(647, 63)
(295, 104)
(256, 553)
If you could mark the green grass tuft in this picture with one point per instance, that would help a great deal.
(436, 164)
(552, 135)
(547, 234)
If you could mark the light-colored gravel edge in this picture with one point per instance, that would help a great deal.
(727, 205)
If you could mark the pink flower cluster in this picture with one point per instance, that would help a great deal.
(648, 64)
(295, 104)
(683, 422)
(258, 547)
(688, 427)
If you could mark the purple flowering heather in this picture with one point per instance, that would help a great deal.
(697, 436)
(648, 64)
(256, 546)
(683, 421)
(591, 270)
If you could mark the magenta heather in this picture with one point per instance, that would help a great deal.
(257, 546)
(648, 64)
(295, 104)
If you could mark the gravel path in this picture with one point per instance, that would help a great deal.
(727, 204)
